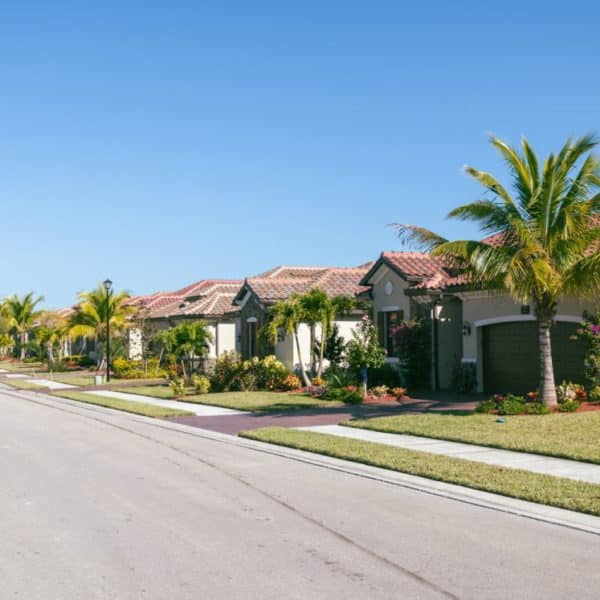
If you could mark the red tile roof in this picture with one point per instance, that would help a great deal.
(282, 282)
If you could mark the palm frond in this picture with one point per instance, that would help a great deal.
(417, 237)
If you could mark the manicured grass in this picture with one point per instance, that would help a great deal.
(137, 408)
(249, 401)
(534, 487)
(19, 367)
(21, 384)
(75, 378)
(574, 436)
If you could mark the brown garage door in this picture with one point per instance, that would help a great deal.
(511, 356)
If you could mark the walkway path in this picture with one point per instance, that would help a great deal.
(51, 385)
(558, 467)
(198, 409)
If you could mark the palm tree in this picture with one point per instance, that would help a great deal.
(548, 235)
(188, 341)
(89, 319)
(50, 333)
(287, 316)
(21, 314)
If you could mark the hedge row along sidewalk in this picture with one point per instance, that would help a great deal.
(137, 408)
(542, 489)
(573, 436)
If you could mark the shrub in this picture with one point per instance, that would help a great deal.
(464, 376)
(594, 394)
(231, 373)
(201, 384)
(512, 405)
(379, 390)
(290, 382)
(178, 387)
(487, 406)
(318, 381)
(532, 396)
(136, 369)
(536, 408)
(388, 374)
(399, 392)
(570, 392)
(339, 377)
(347, 395)
(569, 406)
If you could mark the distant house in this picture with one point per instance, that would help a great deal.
(259, 293)
(487, 330)
(208, 299)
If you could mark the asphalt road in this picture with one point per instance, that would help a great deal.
(101, 505)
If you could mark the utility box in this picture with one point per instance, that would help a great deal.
(98, 379)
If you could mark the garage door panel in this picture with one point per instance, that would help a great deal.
(511, 356)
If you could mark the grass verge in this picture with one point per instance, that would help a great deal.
(137, 408)
(515, 483)
(21, 384)
(247, 401)
(573, 436)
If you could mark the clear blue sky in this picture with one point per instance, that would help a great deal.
(162, 143)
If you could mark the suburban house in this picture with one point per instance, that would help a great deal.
(258, 294)
(208, 299)
(483, 330)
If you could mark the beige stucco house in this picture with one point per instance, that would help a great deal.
(259, 293)
(487, 330)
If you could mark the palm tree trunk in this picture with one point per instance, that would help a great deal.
(322, 349)
(547, 384)
(23, 339)
(312, 350)
(305, 378)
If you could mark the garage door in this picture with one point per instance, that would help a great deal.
(511, 356)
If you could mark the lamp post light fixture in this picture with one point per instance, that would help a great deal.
(107, 283)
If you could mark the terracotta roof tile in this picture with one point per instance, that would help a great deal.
(280, 283)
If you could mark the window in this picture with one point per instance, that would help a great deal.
(251, 339)
(386, 320)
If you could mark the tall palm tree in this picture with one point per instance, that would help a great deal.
(549, 233)
(21, 314)
(50, 333)
(287, 316)
(89, 319)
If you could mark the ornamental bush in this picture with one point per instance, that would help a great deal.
(201, 384)
(231, 373)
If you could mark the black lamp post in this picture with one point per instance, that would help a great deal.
(107, 286)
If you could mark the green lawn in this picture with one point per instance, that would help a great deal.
(87, 379)
(534, 487)
(138, 408)
(250, 401)
(20, 367)
(21, 384)
(574, 436)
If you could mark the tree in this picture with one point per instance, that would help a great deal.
(547, 238)
(364, 351)
(50, 333)
(89, 318)
(287, 316)
(186, 342)
(21, 314)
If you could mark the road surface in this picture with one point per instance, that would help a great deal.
(96, 505)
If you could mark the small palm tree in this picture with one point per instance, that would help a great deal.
(89, 319)
(188, 341)
(287, 316)
(548, 245)
(21, 314)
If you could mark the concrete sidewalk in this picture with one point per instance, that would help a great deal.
(197, 409)
(557, 467)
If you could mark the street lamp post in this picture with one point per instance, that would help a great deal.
(107, 286)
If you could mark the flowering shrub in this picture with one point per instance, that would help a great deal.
(290, 382)
(570, 392)
(201, 384)
(177, 386)
(512, 405)
(594, 394)
(589, 333)
(231, 373)
(399, 392)
(379, 390)
(532, 396)
(318, 381)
